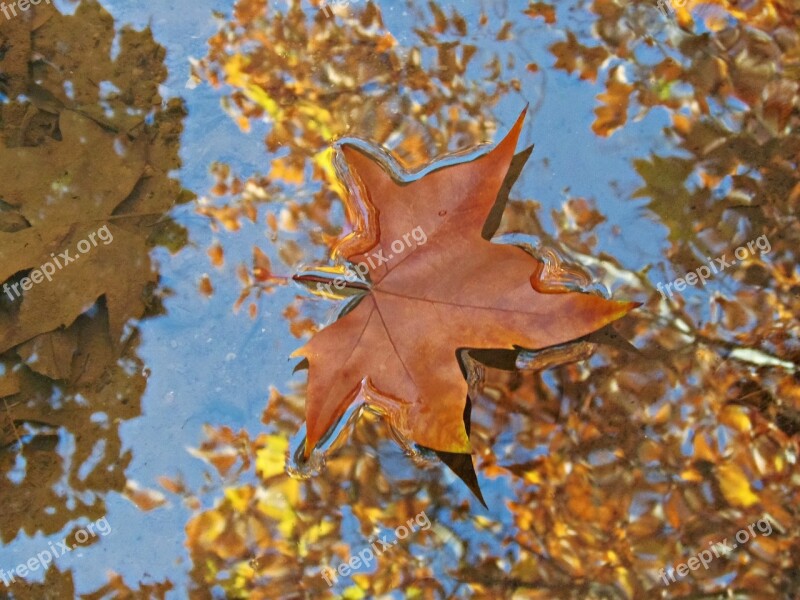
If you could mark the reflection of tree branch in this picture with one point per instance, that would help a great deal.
(684, 325)
(11, 421)
(741, 352)
(547, 559)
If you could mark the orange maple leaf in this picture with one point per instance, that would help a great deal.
(399, 347)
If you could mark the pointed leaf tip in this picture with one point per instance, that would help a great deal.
(622, 309)
(517, 127)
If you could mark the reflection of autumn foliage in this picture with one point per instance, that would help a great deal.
(608, 470)
(269, 535)
(316, 79)
(59, 584)
(85, 140)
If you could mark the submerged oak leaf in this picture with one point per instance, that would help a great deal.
(399, 347)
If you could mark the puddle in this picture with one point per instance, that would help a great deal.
(174, 202)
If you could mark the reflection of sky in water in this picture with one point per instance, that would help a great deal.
(209, 365)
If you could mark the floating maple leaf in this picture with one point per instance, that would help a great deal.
(400, 346)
